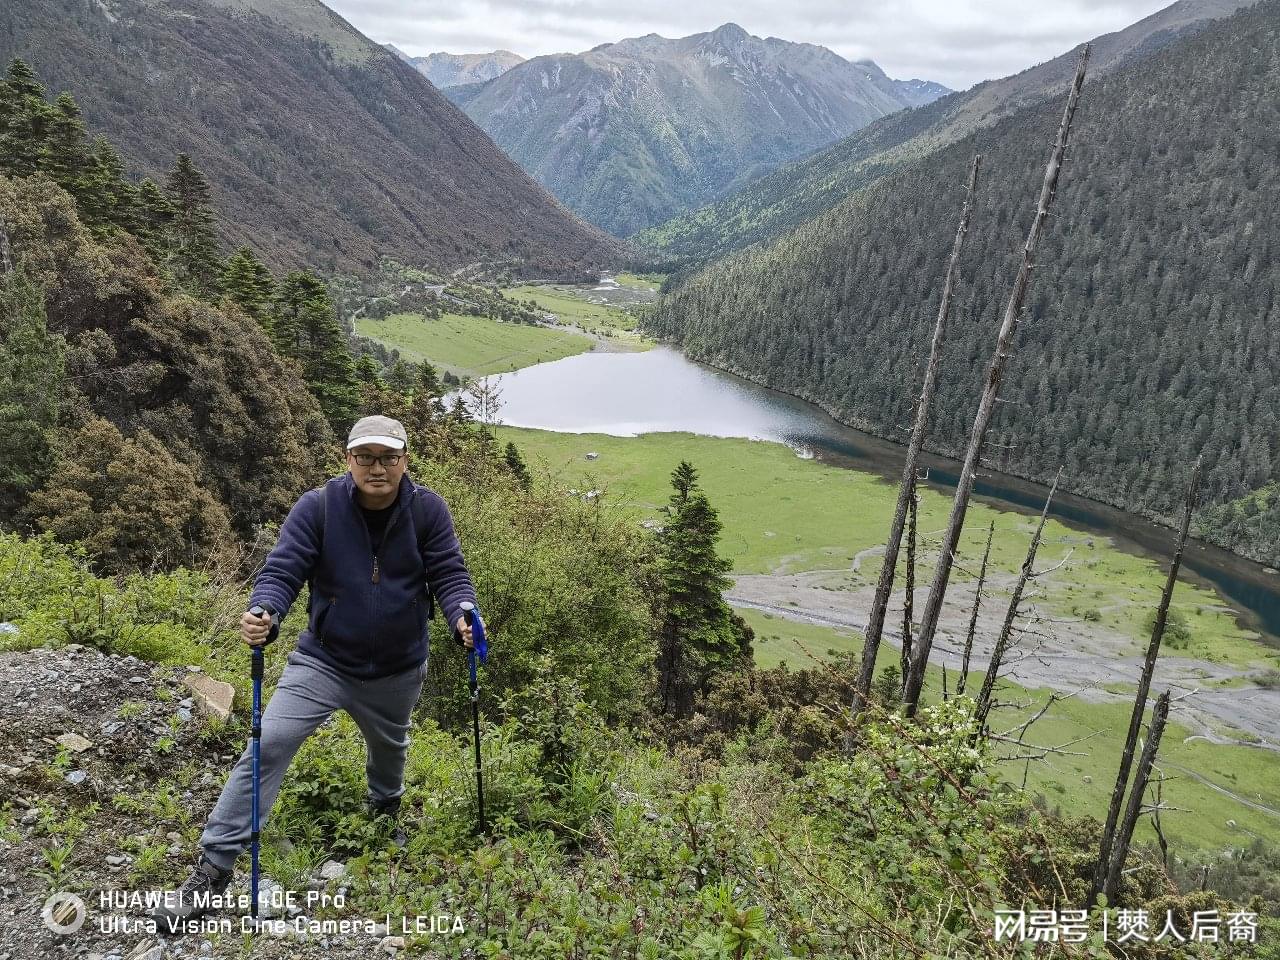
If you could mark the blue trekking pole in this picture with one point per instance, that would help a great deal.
(256, 741)
(481, 647)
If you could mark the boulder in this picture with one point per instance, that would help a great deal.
(213, 696)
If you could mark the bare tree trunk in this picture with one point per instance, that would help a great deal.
(1158, 827)
(986, 407)
(6, 261)
(973, 619)
(884, 587)
(908, 602)
(1006, 628)
(1132, 811)
(1140, 698)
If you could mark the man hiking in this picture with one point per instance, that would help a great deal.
(377, 550)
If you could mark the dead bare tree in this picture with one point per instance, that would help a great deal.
(1011, 615)
(1157, 826)
(1140, 697)
(908, 601)
(906, 490)
(987, 405)
(1121, 852)
(973, 619)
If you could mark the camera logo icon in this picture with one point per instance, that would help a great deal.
(64, 913)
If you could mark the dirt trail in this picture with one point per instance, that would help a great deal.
(1069, 655)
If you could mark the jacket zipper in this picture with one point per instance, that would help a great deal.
(376, 574)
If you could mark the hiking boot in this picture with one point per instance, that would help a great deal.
(191, 900)
(388, 808)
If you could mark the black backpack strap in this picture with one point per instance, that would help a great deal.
(418, 513)
(324, 511)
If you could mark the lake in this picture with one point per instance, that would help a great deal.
(659, 390)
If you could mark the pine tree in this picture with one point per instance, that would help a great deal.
(368, 371)
(67, 157)
(400, 377)
(24, 120)
(428, 382)
(110, 197)
(194, 255)
(374, 395)
(700, 636)
(684, 479)
(153, 217)
(516, 464)
(424, 412)
(249, 285)
(305, 326)
(31, 382)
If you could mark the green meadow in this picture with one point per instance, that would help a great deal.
(640, 281)
(472, 346)
(783, 514)
(570, 308)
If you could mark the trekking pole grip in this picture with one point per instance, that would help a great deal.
(258, 659)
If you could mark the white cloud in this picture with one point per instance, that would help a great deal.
(956, 42)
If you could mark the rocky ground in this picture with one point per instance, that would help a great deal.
(110, 766)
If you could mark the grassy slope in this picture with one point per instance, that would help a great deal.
(572, 309)
(781, 513)
(472, 346)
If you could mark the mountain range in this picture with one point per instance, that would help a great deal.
(454, 69)
(1151, 334)
(629, 134)
(795, 193)
(323, 149)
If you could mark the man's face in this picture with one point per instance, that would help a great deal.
(376, 479)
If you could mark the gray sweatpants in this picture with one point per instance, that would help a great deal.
(308, 693)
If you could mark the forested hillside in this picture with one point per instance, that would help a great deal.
(324, 150)
(629, 134)
(776, 202)
(1152, 332)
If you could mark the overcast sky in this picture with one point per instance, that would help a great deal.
(955, 42)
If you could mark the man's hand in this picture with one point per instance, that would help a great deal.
(255, 630)
(464, 631)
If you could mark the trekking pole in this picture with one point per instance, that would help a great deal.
(258, 661)
(480, 647)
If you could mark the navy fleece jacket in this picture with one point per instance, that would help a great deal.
(367, 616)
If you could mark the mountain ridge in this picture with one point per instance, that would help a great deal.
(629, 131)
(455, 69)
(794, 193)
(317, 141)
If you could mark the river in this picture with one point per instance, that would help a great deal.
(626, 394)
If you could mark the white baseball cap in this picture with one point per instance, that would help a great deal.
(380, 430)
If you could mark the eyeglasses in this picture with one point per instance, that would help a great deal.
(386, 459)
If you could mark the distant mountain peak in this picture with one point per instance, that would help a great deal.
(629, 132)
(455, 69)
(730, 33)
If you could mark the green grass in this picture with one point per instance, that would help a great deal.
(1083, 784)
(781, 640)
(472, 346)
(782, 514)
(640, 281)
(573, 309)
